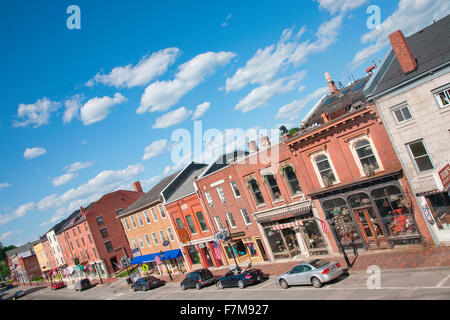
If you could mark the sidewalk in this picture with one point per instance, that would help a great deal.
(385, 260)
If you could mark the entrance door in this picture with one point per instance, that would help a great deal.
(372, 233)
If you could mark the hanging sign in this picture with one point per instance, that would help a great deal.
(287, 225)
(145, 267)
(165, 243)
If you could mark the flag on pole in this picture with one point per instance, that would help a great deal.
(216, 250)
(324, 227)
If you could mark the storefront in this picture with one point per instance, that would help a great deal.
(373, 214)
(156, 263)
(292, 231)
(243, 249)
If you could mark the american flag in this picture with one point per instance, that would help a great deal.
(323, 224)
(217, 252)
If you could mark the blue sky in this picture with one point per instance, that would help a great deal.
(88, 111)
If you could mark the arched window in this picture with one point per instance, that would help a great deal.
(202, 221)
(291, 180)
(273, 186)
(323, 165)
(254, 188)
(366, 156)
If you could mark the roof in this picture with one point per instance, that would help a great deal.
(59, 226)
(112, 201)
(430, 47)
(223, 161)
(183, 184)
(154, 194)
(76, 220)
(25, 247)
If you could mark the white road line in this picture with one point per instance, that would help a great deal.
(441, 283)
(268, 283)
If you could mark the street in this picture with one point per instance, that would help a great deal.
(429, 284)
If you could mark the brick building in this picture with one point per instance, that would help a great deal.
(23, 263)
(226, 205)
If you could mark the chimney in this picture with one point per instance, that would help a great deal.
(137, 186)
(325, 117)
(265, 142)
(81, 209)
(252, 147)
(403, 51)
(331, 85)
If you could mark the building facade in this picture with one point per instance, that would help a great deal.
(41, 255)
(412, 93)
(23, 263)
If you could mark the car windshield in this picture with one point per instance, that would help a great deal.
(318, 263)
(205, 272)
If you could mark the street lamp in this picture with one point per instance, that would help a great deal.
(329, 218)
(165, 263)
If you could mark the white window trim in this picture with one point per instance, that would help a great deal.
(162, 213)
(133, 223)
(436, 92)
(401, 106)
(220, 197)
(133, 242)
(351, 144)
(148, 240)
(155, 239)
(228, 217)
(232, 189)
(127, 226)
(209, 198)
(170, 232)
(413, 160)
(313, 157)
(242, 213)
(217, 221)
(163, 236)
(187, 223)
(141, 243)
(153, 211)
(147, 217)
(139, 218)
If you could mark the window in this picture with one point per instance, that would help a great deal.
(82, 241)
(78, 244)
(402, 113)
(218, 223)
(254, 187)
(443, 97)
(221, 194)
(179, 223)
(246, 216)
(161, 234)
(366, 156)
(420, 156)
(119, 211)
(291, 180)
(71, 245)
(231, 220)
(161, 211)
(90, 238)
(141, 223)
(109, 246)
(273, 186)
(209, 199)
(95, 252)
(170, 234)
(87, 254)
(202, 221)
(133, 222)
(126, 224)
(155, 239)
(325, 170)
(141, 243)
(147, 218)
(104, 233)
(73, 231)
(155, 217)
(79, 230)
(134, 243)
(147, 239)
(99, 221)
(191, 225)
(235, 189)
(85, 226)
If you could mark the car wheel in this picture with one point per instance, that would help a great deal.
(183, 287)
(146, 288)
(134, 289)
(219, 285)
(241, 284)
(198, 286)
(284, 284)
(316, 282)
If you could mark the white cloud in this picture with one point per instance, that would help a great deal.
(201, 109)
(423, 11)
(73, 106)
(4, 185)
(334, 6)
(18, 213)
(155, 149)
(172, 118)
(292, 110)
(36, 114)
(225, 23)
(78, 166)
(259, 96)
(31, 153)
(97, 109)
(8, 234)
(148, 68)
(161, 95)
(65, 178)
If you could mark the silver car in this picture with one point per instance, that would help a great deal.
(315, 272)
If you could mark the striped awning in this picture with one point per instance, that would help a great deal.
(287, 225)
(284, 212)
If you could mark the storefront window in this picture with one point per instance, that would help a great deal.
(251, 247)
(440, 208)
(312, 234)
(194, 255)
(344, 225)
(291, 240)
(275, 240)
(393, 211)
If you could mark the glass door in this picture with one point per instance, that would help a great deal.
(368, 223)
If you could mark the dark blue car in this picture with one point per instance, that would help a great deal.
(238, 278)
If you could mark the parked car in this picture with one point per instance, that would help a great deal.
(83, 285)
(57, 285)
(17, 295)
(315, 272)
(147, 283)
(237, 277)
(198, 279)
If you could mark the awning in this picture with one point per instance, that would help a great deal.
(170, 254)
(289, 211)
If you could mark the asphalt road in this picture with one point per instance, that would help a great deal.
(431, 283)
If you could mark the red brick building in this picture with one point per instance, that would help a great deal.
(221, 192)
(189, 218)
(351, 171)
(23, 263)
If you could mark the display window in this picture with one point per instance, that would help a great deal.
(193, 254)
(440, 208)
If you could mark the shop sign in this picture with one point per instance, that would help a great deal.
(136, 252)
(221, 235)
(287, 225)
(237, 234)
(201, 245)
(184, 236)
(444, 176)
